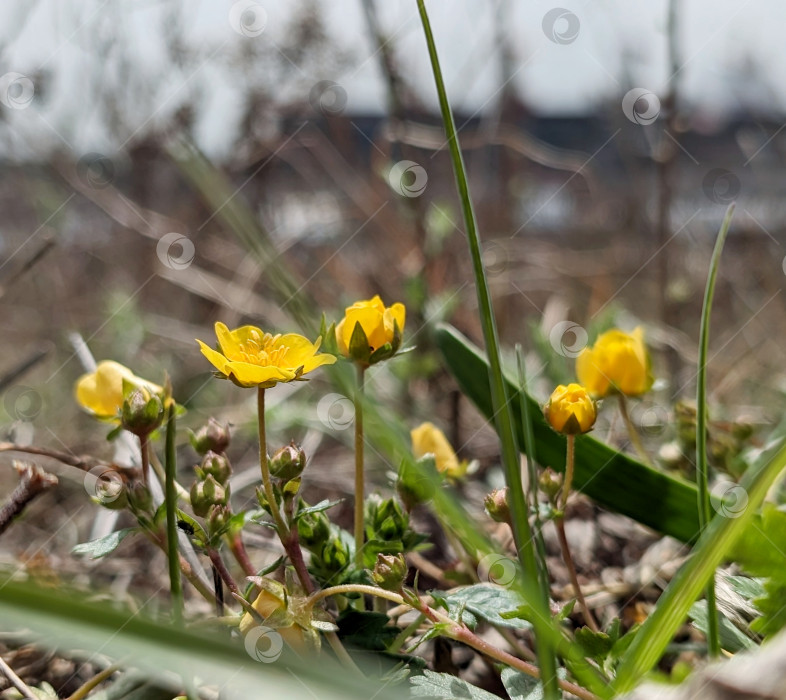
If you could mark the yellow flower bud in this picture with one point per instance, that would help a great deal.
(376, 329)
(428, 439)
(101, 392)
(570, 410)
(617, 363)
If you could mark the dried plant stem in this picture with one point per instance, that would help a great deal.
(33, 481)
(84, 462)
(16, 681)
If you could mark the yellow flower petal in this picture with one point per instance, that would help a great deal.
(428, 439)
(377, 323)
(570, 409)
(617, 362)
(101, 392)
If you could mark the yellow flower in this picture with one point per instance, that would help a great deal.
(428, 439)
(250, 357)
(379, 334)
(570, 410)
(268, 604)
(617, 363)
(101, 392)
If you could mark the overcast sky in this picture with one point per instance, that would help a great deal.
(580, 65)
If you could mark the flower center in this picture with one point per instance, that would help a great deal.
(262, 350)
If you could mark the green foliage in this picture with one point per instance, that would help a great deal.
(443, 685)
(95, 549)
(489, 603)
(732, 639)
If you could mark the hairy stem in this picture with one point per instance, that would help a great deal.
(359, 472)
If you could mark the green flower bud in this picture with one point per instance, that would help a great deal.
(207, 493)
(385, 518)
(313, 530)
(336, 555)
(217, 466)
(390, 572)
(217, 518)
(550, 483)
(142, 411)
(415, 483)
(497, 505)
(288, 463)
(139, 497)
(211, 437)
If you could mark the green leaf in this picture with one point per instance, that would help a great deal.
(731, 638)
(366, 630)
(773, 611)
(197, 532)
(443, 685)
(760, 548)
(712, 547)
(611, 478)
(318, 508)
(96, 549)
(520, 686)
(748, 588)
(596, 645)
(489, 603)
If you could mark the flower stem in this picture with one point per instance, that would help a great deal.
(359, 473)
(144, 452)
(633, 434)
(170, 495)
(267, 484)
(566, 556)
(223, 572)
(559, 522)
(238, 549)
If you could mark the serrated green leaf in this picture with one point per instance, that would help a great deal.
(596, 645)
(443, 685)
(520, 686)
(749, 588)
(488, 603)
(95, 549)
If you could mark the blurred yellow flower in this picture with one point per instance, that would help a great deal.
(570, 410)
(250, 357)
(266, 605)
(428, 439)
(381, 326)
(101, 392)
(617, 363)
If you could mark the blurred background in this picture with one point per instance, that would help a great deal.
(165, 164)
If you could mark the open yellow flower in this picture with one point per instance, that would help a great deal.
(617, 363)
(268, 604)
(570, 410)
(101, 392)
(379, 334)
(428, 439)
(252, 358)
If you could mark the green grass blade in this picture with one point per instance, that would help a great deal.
(714, 544)
(502, 413)
(614, 480)
(702, 476)
(64, 620)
